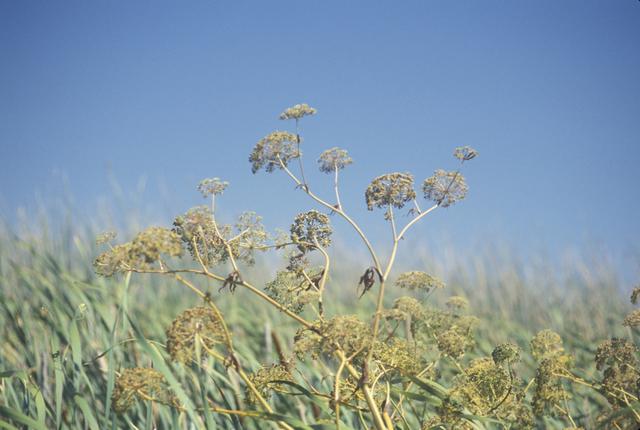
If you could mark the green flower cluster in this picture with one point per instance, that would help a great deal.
(267, 379)
(418, 281)
(547, 348)
(348, 331)
(211, 242)
(617, 359)
(452, 331)
(407, 357)
(140, 384)
(141, 253)
(192, 329)
(293, 290)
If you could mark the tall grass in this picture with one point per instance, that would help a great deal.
(66, 334)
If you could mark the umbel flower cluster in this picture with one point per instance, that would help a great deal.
(398, 362)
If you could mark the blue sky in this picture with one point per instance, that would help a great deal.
(167, 93)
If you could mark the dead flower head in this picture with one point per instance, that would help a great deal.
(352, 334)
(545, 344)
(140, 384)
(298, 111)
(334, 159)
(139, 254)
(190, 330)
(212, 186)
(105, 237)
(418, 281)
(392, 189)
(292, 290)
(274, 151)
(267, 379)
(445, 188)
(635, 294)
(465, 153)
(618, 361)
(632, 319)
(506, 353)
(311, 229)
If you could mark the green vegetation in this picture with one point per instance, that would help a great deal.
(190, 327)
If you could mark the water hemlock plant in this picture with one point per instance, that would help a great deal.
(407, 365)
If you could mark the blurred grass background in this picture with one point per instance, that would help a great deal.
(66, 332)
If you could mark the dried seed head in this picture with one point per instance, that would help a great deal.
(197, 231)
(250, 235)
(546, 344)
(405, 307)
(349, 391)
(445, 188)
(618, 361)
(400, 354)
(113, 261)
(267, 380)
(352, 334)
(140, 384)
(212, 186)
(616, 351)
(195, 325)
(311, 229)
(308, 342)
(632, 319)
(334, 159)
(293, 290)
(549, 390)
(150, 244)
(272, 149)
(105, 237)
(457, 303)
(484, 385)
(298, 111)
(634, 295)
(452, 343)
(506, 353)
(392, 189)
(418, 281)
(139, 254)
(465, 153)
(450, 415)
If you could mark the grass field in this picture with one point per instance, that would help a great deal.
(67, 335)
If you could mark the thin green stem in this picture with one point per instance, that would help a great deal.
(339, 211)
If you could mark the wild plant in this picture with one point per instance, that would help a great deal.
(407, 365)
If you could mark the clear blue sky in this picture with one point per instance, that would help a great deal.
(547, 91)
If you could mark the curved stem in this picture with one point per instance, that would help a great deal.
(504, 399)
(335, 185)
(392, 219)
(416, 219)
(339, 211)
(304, 180)
(325, 274)
(336, 393)
(249, 384)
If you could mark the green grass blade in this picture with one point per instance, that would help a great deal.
(89, 417)
(21, 418)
